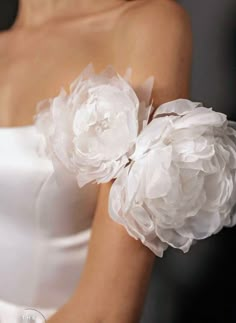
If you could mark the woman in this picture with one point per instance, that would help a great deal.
(44, 241)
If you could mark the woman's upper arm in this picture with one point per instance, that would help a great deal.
(159, 43)
(116, 274)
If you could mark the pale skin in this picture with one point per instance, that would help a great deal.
(49, 44)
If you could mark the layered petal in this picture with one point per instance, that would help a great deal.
(92, 129)
(185, 178)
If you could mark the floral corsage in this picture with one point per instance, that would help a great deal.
(174, 173)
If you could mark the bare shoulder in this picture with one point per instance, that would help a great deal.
(156, 17)
(3, 39)
(157, 40)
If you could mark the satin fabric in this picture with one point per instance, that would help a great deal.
(44, 227)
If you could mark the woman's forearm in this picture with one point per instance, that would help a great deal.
(92, 306)
(98, 301)
(114, 281)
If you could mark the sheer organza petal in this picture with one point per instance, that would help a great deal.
(185, 178)
(92, 129)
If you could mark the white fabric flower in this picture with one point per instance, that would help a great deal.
(181, 183)
(91, 131)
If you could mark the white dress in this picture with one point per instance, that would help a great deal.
(175, 183)
(44, 229)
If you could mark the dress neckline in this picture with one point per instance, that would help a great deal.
(16, 127)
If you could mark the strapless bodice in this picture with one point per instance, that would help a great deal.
(44, 226)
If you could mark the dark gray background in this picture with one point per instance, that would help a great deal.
(214, 67)
(198, 287)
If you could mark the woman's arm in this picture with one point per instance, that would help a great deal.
(116, 274)
(114, 281)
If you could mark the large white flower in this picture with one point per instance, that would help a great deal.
(181, 183)
(91, 131)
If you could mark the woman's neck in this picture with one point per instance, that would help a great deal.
(33, 13)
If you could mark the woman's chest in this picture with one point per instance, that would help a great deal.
(36, 68)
